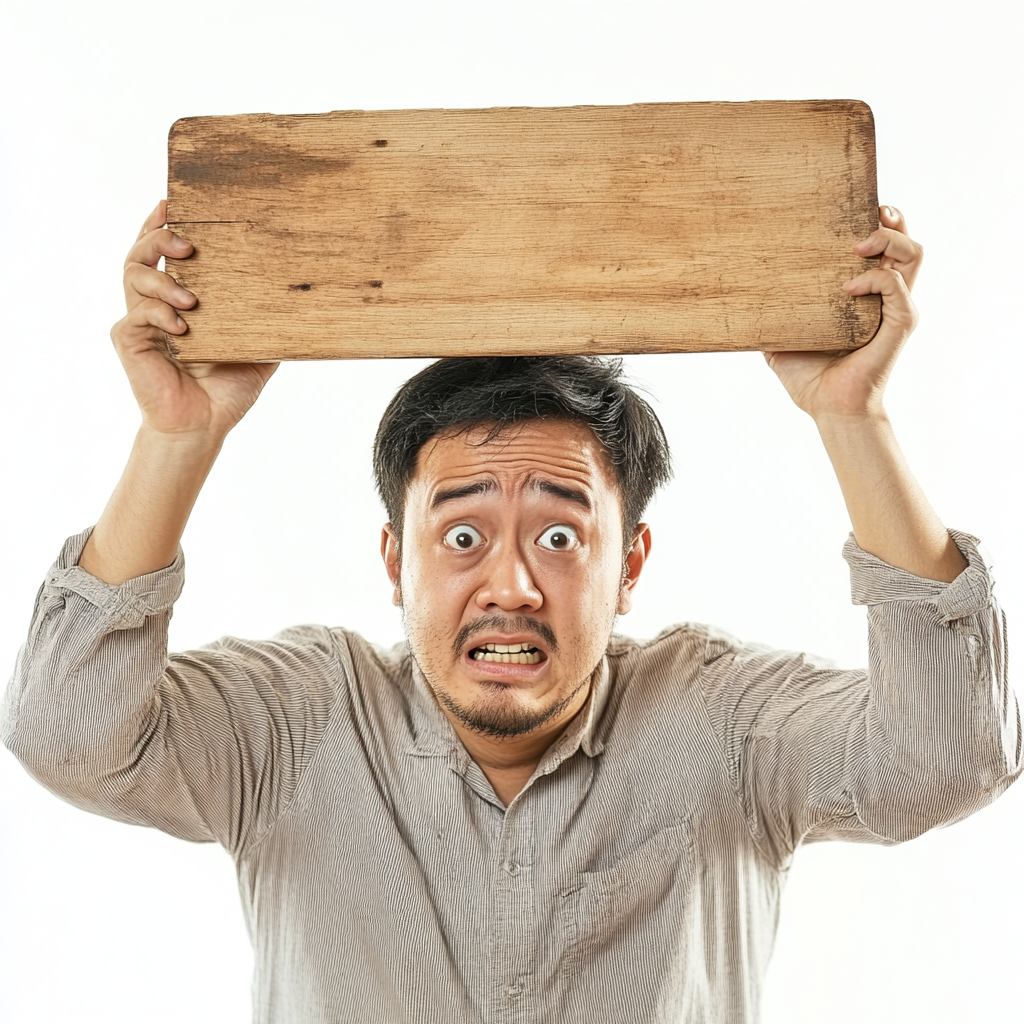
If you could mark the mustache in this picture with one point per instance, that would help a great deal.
(505, 624)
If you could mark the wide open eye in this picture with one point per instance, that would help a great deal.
(463, 538)
(558, 538)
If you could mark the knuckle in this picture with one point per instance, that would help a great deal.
(164, 239)
(155, 310)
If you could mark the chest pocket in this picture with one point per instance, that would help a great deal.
(608, 914)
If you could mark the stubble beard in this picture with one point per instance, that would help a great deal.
(503, 717)
(498, 714)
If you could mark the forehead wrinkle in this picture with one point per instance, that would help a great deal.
(508, 482)
(573, 483)
(516, 457)
(515, 461)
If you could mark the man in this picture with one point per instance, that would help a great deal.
(515, 816)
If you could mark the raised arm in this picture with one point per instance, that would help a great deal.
(208, 744)
(931, 732)
(843, 393)
(187, 411)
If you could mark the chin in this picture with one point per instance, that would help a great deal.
(497, 709)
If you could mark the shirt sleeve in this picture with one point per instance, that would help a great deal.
(927, 735)
(206, 745)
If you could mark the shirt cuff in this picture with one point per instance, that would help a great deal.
(127, 604)
(873, 581)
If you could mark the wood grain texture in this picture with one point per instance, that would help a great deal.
(646, 228)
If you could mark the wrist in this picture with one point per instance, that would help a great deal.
(180, 446)
(834, 423)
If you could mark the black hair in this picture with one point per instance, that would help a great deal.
(454, 395)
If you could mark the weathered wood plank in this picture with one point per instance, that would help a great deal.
(646, 228)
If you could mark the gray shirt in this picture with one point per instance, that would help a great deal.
(636, 878)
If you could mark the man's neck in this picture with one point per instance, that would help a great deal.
(510, 761)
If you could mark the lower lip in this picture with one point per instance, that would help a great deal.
(503, 670)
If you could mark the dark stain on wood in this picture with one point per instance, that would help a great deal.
(375, 284)
(854, 317)
(380, 142)
(299, 287)
(231, 158)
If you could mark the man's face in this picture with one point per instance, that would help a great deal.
(511, 572)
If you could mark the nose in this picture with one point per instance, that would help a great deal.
(509, 586)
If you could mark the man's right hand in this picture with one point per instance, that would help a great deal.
(200, 399)
(187, 410)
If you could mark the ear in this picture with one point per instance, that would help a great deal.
(635, 559)
(392, 562)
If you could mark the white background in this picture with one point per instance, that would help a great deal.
(109, 923)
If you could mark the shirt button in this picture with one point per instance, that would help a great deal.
(512, 868)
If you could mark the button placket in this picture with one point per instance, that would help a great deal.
(515, 929)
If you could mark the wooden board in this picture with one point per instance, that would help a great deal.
(657, 227)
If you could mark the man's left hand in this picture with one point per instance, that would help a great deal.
(851, 383)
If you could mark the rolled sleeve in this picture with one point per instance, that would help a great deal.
(873, 581)
(927, 735)
(124, 605)
(942, 736)
(206, 744)
(70, 677)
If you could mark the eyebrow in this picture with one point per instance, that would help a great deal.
(572, 494)
(568, 493)
(466, 491)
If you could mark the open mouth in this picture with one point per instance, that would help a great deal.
(507, 654)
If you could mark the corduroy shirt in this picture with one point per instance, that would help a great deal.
(636, 878)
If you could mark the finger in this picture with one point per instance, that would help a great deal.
(145, 324)
(899, 318)
(143, 282)
(890, 217)
(157, 219)
(159, 242)
(898, 308)
(896, 250)
(891, 243)
(878, 282)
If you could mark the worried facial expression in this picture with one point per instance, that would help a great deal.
(511, 572)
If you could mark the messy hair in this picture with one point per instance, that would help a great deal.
(455, 395)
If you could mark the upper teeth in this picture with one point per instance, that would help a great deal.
(509, 654)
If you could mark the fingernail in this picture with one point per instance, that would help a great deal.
(892, 213)
(180, 242)
(181, 323)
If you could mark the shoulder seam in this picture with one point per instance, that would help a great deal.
(733, 783)
(250, 850)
